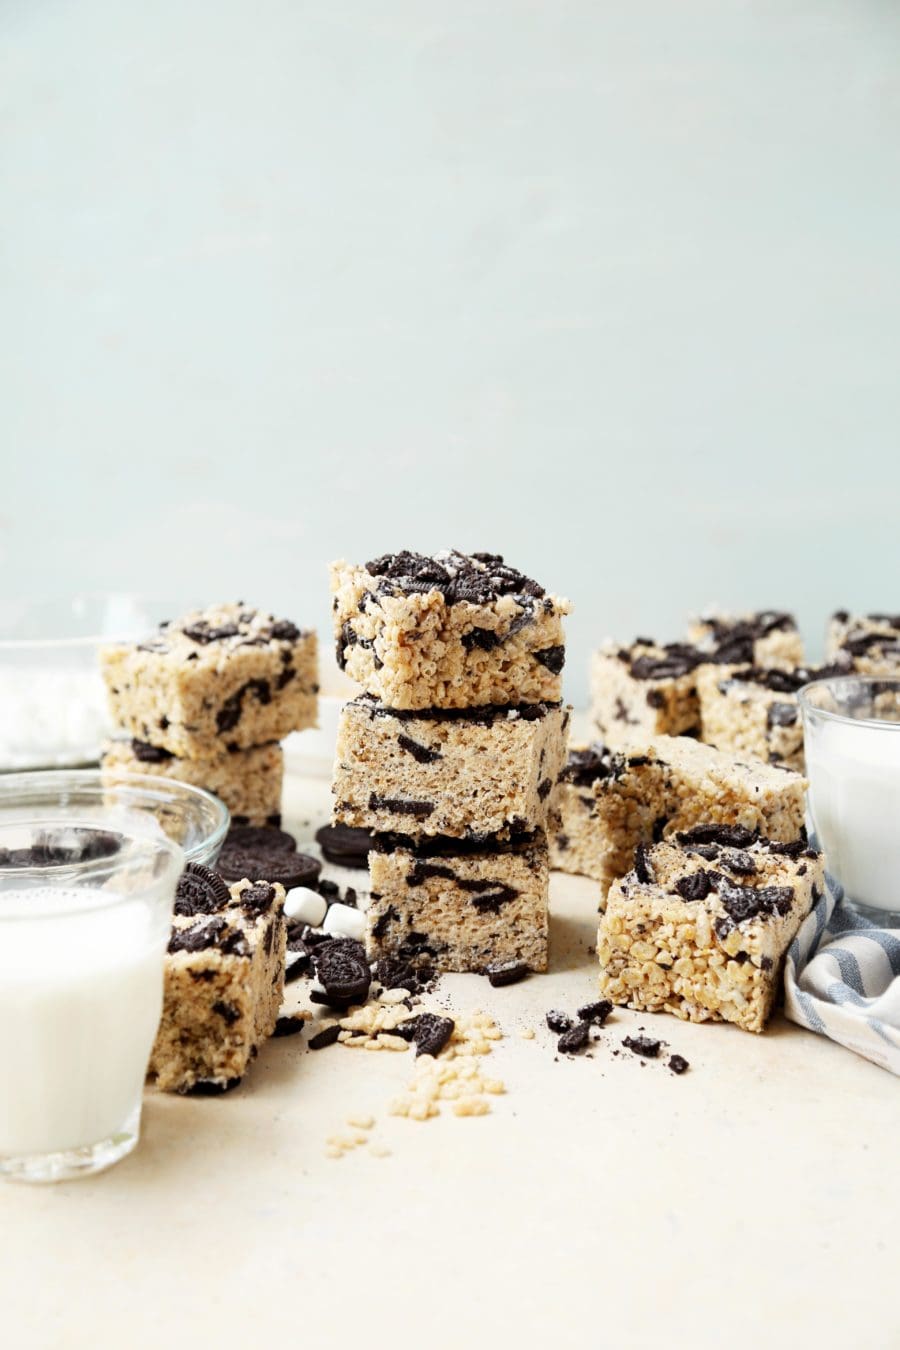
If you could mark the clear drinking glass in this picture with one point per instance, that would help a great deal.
(85, 914)
(851, 729)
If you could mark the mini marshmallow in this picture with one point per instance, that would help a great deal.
(306, 905)
(345, 921)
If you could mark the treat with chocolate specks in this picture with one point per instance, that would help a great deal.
(767, 637)
(609, 802)
(248, 781)
(226, 678)
(645, 690)
(463, 905)
(754, 713)
(869, 642)
(452, 630)
(455, 772)
(704, 938)
(223, 982)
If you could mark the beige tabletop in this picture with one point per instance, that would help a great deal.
(603, 1202)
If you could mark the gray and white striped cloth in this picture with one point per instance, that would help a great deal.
(842, 979)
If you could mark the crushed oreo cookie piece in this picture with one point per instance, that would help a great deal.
(209, 1087)
(695, 886)
(551, 658)
(428, 1032)
(200, 890)
(502, 973)
(596, 1013)
(678, 1063)
(150, 754)
(258, 898)
(558, 1021)
(198, 937)
(729, 836)
(645, 1046)
(595, 762)
(289, 1026)
(574, 1040)
(643, 870)
(322, 1039)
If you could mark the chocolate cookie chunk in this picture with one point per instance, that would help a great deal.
(200, 891)
(575, 1039)
(290, 869)
(429, 1032)
(344, 846)
(644, 1046)
(503, 973)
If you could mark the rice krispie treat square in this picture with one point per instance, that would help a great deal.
(455, 771)
(755, 713)
(645, 690)
(700, 926)
(608, 801)
(227, 677)
(768, 637)
(248, 781)
(460, 907)
(451, 631)
(870, 642)
(224, 981)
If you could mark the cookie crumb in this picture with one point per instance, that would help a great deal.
(642, 1045)
(678, 1063)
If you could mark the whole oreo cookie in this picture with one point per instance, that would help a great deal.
(343, 970)
(344, 846)
(200, 891)
(290, 869)
(255, 837)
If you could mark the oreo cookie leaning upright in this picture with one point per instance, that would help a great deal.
(344, 845)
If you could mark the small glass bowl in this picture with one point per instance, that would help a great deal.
(53, 708)
(135, 803)
(851, 733)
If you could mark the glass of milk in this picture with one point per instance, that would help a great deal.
(851, 728)
(85, 914)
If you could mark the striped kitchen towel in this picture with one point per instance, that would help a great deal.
(842, 979)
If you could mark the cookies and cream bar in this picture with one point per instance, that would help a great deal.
(608, 801)
(447, 771)
(871, 642)
(768, 637)
(752, 712)
(451, 631)
(700, 926)
(224, 981)
(227, 677)
(645, 689)
(459, 906)
(248, 781)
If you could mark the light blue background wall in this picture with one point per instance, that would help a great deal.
(610, 287)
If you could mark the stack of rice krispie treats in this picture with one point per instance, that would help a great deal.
(207, 699)
(690, 813)
(449, 755)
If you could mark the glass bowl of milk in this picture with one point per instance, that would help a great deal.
(134, 803)
(851, 731)
(85, 916)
